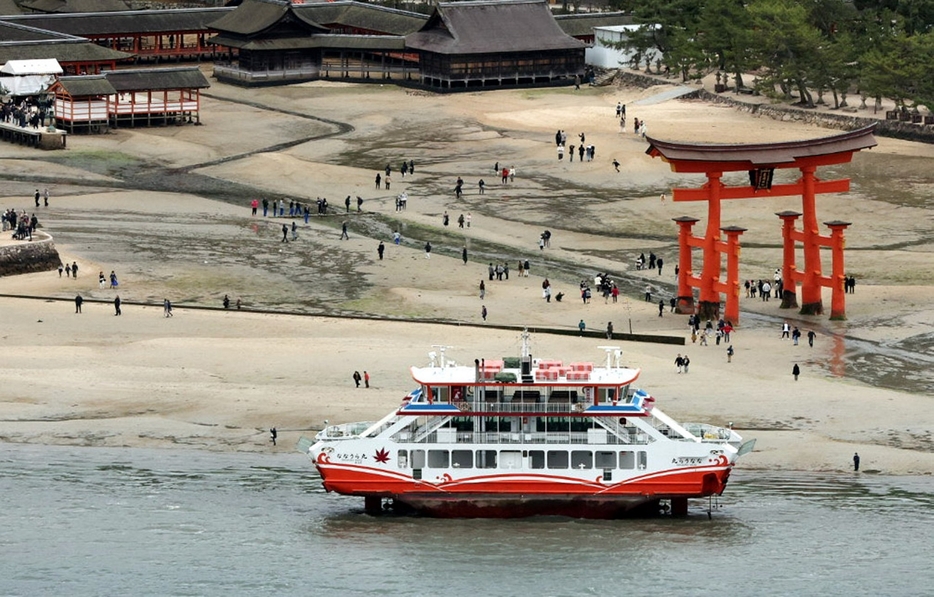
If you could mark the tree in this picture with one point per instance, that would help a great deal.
(723, 33)
(785, 43)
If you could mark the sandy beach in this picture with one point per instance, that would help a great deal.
(167, 209)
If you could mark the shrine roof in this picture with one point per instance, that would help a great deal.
(700, 157)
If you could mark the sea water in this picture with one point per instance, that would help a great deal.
(101, 521)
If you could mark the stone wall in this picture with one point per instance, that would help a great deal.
(923, 133)
(27, 257)
(843, 121)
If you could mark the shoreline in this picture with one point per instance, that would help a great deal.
(215, 380)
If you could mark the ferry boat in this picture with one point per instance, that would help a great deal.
(524, 436)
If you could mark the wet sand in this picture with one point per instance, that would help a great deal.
(167, 209)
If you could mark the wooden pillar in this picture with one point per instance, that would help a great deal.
(685, 298)
(731, 309)
(811, 303)
(838, 269)
(789, 268)
(709, 305)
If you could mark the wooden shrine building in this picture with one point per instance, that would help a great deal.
(82, 103)
(274, 42)
(75, 54)
(467, 45)
(760, 160)
(154, 96)
(149, 35)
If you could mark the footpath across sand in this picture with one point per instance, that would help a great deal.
(220, 379)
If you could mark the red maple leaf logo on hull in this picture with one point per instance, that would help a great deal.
(382, 456)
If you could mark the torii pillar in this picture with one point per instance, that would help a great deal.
(760, 161)
(811, 279)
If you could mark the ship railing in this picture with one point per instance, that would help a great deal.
(344, 430)
(626, 435)
(709, 433)
(558, 408)
(552, 438)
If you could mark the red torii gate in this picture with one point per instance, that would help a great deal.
(761, 160)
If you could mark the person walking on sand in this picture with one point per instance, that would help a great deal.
(483, 312)
(273, 434)
(856, 461)
(78, 301)
(616, 164)
(686, 362)
(167, 307)
(679, 362)
(357, 378)
(285, 233)
(729, 354)
(482, 289)
(366, 379)
(811, 336)
(428, 250)
(582, 326)
(380, 250)
(796, 371)
(117, 306)
(661, 307)
(464, 255)
(609, 330)
(345, 236)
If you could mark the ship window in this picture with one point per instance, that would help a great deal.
(462, 458)
(557, 459)
(438, 458)
(605, 460)
(627, 460)
(643, 460)
(581, 425)
(402, 457)
(581, 459)
(502, 425)
(537, 458)
(510, 459)
(462, 424)
(418, 458)
(486, 458)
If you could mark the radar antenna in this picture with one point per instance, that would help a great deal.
(441, 348)
(612, 351)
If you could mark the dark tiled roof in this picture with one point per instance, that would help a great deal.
(360, 15)
(491, 28)
(137, 21)
(61, 50)
(578, 25)
(20, 42)
(56, 6)
(253, 17)
(189, 77)
(10, 7)
(86, 85)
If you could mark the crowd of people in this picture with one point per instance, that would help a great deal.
(23, 113)
(22, 224)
